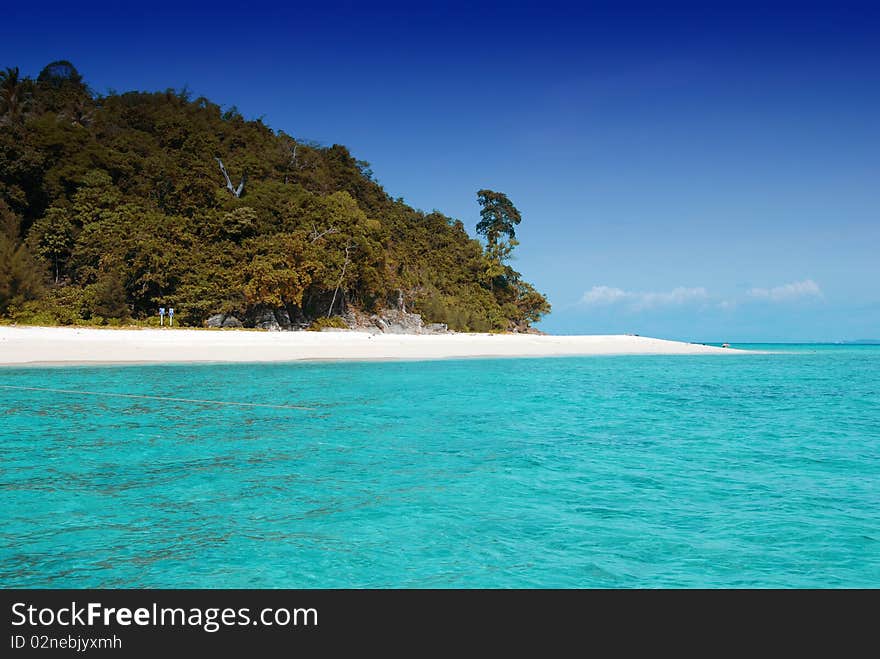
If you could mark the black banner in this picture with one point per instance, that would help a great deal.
(135, 622)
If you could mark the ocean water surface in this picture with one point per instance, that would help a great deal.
(759, 470)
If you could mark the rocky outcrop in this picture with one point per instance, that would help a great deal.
(391, 321)
(266, 320)
(283, 319)
(387, 322)
(525, 329)
(398, 322)
(223, 320)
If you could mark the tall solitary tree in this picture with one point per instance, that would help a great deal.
(498, 220)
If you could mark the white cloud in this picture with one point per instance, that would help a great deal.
(640, 300)
(645, 300)
(792, 291)
(604, 295)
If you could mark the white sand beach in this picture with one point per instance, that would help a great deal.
(59, 345)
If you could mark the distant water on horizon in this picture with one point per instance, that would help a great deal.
(615, 471)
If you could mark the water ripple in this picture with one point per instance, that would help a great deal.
(759, 471)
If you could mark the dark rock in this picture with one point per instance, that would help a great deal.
(283, 319)
(215, 321)
(389, 322)
(223, 320)
(266, 320)
(298, 317)
(436, 328)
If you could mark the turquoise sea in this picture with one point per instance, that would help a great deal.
(760, 470)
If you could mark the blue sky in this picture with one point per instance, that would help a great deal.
(696, 171)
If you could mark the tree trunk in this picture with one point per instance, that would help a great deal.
(339, 283)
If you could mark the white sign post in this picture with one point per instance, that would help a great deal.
(170, 316)
(161, 316)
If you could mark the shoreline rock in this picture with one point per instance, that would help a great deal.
(223, 320)
(388, 321)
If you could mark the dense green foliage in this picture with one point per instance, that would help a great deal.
(111, 206)
(498, 219)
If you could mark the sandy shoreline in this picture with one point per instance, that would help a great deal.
(69, 345)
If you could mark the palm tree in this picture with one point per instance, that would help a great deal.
(14, 96)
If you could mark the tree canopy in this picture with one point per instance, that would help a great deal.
(114, 205)
(498, 218)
